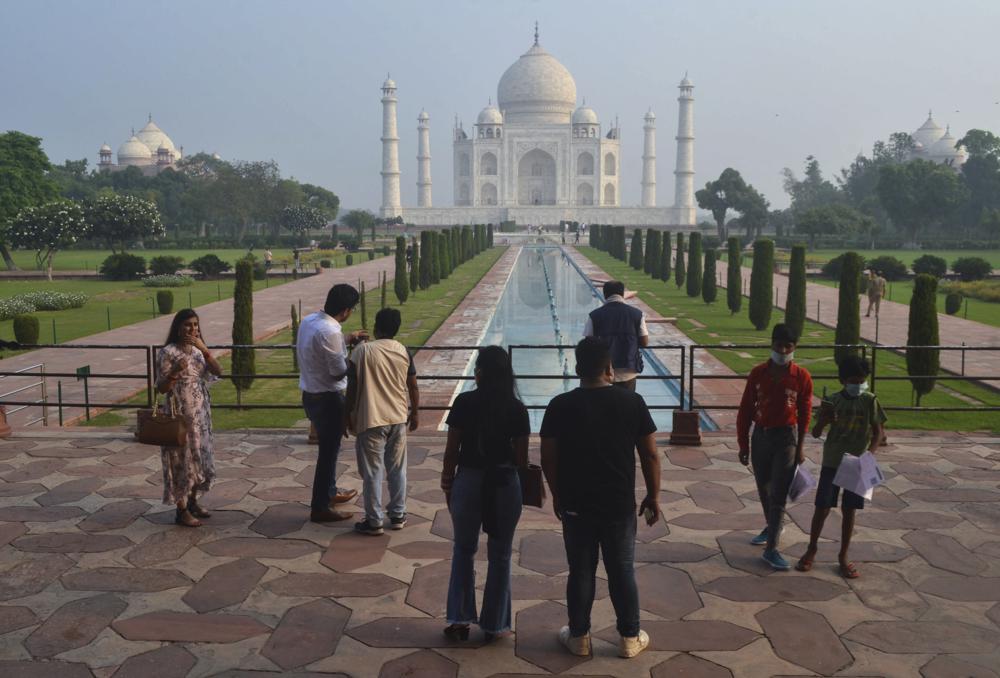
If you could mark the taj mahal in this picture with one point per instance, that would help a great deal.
(536, 157)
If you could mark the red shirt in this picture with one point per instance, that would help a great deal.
(770, 403)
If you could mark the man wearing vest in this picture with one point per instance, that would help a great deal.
(624, 328)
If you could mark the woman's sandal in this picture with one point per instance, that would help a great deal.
(185, 519)
(806, 562)
(457, 632)
(197, 511)
(848, 571)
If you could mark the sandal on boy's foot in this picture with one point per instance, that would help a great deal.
(806, 562)
(848, 571)
(775, 560)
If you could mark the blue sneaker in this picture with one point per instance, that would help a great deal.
(774, 559)
(760, 539)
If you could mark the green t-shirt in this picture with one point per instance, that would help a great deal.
(852, 432)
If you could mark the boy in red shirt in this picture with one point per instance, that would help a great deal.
(778, 401)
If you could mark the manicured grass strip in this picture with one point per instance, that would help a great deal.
(713, 324)
(422, 314)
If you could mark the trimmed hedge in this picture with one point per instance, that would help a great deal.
(636, 259)
(210, 266)
(762, 284)
(695, 269)
(952, 303)
(931, 265)
(890, 268)
(165, 265)
(734, 275)
(680, 270)
(849, 306)
(709, 285)
(795, 301)
(923, 331)
(165, 301)
(972, 268)
(665, 256)
(123, 266)
(26, 329)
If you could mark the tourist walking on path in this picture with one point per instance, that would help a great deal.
(382, 399)
(876, 290)
(321, 349)
(185, 368)
(777, 400)
(624, 328)
(856, 423)
(589, 440)
(487, 441)
(268, 257)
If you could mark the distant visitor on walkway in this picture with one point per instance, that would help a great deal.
(876, 290)
(777, 400)
(624, 328)
(185, 368)
(488, 432)
(321, 348)
(382, 402)
(589, 441)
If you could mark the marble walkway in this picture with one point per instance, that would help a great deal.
(95, 580)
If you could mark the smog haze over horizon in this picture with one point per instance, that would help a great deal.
(775, 81)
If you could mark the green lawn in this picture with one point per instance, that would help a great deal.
(422, 314)
(701, 321)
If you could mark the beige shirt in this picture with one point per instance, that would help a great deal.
(382, 397)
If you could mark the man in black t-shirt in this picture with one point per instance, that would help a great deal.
(589, 440)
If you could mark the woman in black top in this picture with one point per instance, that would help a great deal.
(487, 440)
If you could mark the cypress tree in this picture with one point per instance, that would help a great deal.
(762, 284)
(415, 268)
(443, 254)
(596, 234)
(680, 271)
(481, 240)
(425, 259)
(454, 237)
(435, 267)
(489, 235)
(364, 307)
(635, 259)
(734, 276)
(694, 265)
(923, 331)
(400, 285)
(665, 257)
(647, 259)
(243, 359)
(620, 242)
(849, 305)
(295, 337)
(795, 301)
(385, 284)
(654, 250)
(709, 286)
(466, 243)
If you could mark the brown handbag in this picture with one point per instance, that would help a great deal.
(532, 485)
(156, 428)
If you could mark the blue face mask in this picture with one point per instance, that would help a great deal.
(854, 390)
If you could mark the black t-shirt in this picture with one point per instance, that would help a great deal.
(596, 430)
(487, 434)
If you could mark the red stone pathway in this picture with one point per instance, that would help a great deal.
(95, 580)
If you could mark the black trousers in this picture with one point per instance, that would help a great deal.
(772, 453)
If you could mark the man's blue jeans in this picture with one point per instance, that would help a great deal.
(326, 412)
(382, 451)
(583, 537)
(467, 498)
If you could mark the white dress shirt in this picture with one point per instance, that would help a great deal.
(322, 354)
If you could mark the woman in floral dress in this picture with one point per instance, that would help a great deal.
(185, 368)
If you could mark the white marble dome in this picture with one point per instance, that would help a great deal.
(585, 115)
(423, 116)
(105, 148)
(490, 116)
(133, 152)
(945, 148)
(929, 133)
(153, 137)
(537, 89)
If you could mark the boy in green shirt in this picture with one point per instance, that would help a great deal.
(856, 420)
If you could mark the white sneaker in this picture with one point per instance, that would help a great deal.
(629, 647)
(578, 645)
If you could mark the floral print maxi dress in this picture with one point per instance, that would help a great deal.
(191, 468)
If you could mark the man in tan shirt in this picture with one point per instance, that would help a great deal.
(382, 400)
(876, 290)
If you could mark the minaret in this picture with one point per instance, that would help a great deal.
(423, 160)
(649, 161)
(390, 152)
(684, 171)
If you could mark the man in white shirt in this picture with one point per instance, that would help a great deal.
(322, 355)
(382, 399)
(624, 328)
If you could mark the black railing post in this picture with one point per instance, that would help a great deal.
(691, 377)
(683, 374)
(149, 376)
(874, 361)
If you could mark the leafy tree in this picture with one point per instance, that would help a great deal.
(923, 331)
(680, 272)
(209, 266)
(301, 219)
(889, 267)
(795, 301)
(919, 193)
(734, 275)
(980, 143)
(838, 220)
(401, 286)
(849, 306)
(812, 190)
(243, 359)
(694, 265)
(753, 211)
(709, 286)
(972, 268)
(722, 195)
(981, 178)
(120, 219)
(321, 199)
(762, 284)
(931, 265)
(359, 221)
(47, 229)
(635, 259)
(415, 267)
(665, 256)
(24, 181)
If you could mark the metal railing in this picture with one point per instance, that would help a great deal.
(40, 384)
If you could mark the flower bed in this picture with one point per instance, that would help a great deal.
(175, 280)
(40, 301)
(983, 290)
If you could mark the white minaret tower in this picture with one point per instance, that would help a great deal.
(390, 152)
(684, 171)
(649, 161)
(423, 160)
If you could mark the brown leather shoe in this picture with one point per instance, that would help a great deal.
(329, 516)
(343, 497)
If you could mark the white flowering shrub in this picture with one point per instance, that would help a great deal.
(48, 228)
(123, 218)
(40, 301)
(175, 280)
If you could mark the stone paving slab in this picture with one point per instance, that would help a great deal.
(97, 584)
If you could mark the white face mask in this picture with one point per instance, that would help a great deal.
(781, 358)
(854, 390)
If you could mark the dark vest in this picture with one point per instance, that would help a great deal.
(618, 323)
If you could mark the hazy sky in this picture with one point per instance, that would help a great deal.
(298, 81)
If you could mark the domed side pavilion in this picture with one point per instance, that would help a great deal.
(151, 150)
